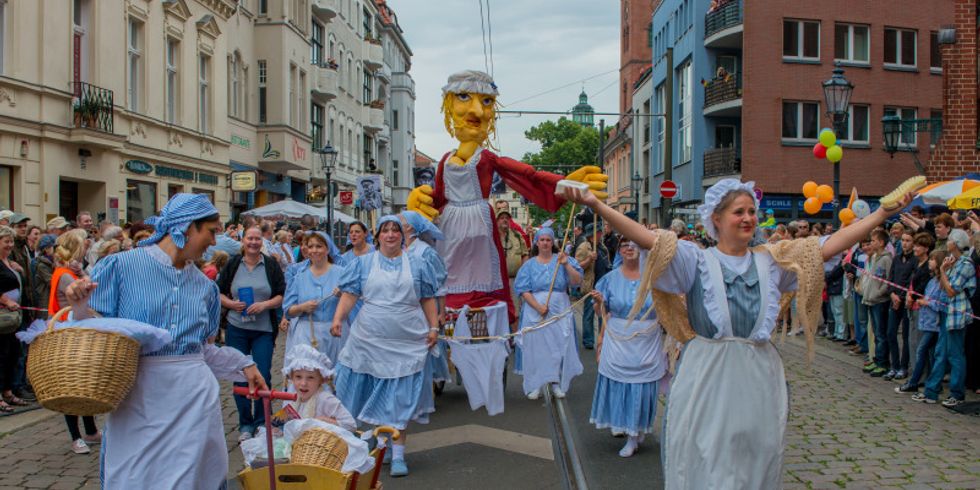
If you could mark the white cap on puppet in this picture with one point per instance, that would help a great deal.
(714, 195)
(306, 357)
(470, 81)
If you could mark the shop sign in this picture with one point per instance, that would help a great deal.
(776, 203)
(243, 181)
(174, 173)
(241, 141)
(207, 178)
(138, 167)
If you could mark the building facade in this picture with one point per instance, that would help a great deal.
(112, 107)
(746, 106)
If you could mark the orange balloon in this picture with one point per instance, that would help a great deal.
(812, 205)
(846, 216)
(825, 193)
(809, 189)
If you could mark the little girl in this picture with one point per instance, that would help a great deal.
(306, 371)
(931, 311)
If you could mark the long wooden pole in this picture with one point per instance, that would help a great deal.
(568, 227)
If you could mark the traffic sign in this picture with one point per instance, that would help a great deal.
(346, 198)
(668, 189)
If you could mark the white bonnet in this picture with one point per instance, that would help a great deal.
(715, 194)
(306, 357)
(470, 81)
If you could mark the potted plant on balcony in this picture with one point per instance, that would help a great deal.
(332, 64)
(90, 112)
(371, 39)
(377, 104)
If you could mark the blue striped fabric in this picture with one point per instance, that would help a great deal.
(744, 300)
(143, 285)
(624, 407)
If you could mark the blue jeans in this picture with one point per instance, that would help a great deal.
(896, 318)
(949, 352)
(588, 323)
(837, 311)
(260, 346)
(879, 321)
(923, 355)
(860, 323)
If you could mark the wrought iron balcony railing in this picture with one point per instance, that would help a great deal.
(723, 17)
(91, 107)
(722, 161)
(722, 90)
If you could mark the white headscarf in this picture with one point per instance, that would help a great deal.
(307, 358)
(714, 195)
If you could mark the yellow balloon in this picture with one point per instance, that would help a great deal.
(835, 153)
(825, 193)
(809, 189)
(812, 205)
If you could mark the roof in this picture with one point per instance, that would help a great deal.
(423, 160)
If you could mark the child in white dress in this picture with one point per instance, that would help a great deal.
(307, 370)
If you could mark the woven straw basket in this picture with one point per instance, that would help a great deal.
(80, 371)
(319, 447)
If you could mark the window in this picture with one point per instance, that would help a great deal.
(173, 190)
(367, 87)
(173, 50)
(907, 138)
(316, 55)
(800, 120)
(935, 53)
(684, 110)
(262, 92)
(316, 125)
(394, 166)
(366, 23)
(801, 40)
(330, 137)
(899, 47)
(935, 130)
(202, 89)
(206, 192)
(263, 7)
(661, 125)
(80, 46)
(856, 126)
(301, 106)
(851, 43)
(235, 88)
(135, 63)
(291, 108)
(3, 29)
(141, 200)
(394, 119)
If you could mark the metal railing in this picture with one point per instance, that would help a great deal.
(722, 161)
(722, 90)
(728, 15)
(92, 107)
(563, 443)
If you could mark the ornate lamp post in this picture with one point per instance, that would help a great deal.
(637, 182)
(328, 159)
(837, 95)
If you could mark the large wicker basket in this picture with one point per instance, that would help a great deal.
(319, 447)
(80, 371)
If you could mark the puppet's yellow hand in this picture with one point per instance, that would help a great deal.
(420, 200)
(592, 175)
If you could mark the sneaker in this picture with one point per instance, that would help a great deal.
(387, 458)
(870, 366)
(244, 436)
(78, 446)
(534, 395)
(901, 374)
(890, 375)
(921, 397)
(398, 468)
(878, 372)
(951, 402)
(906, 388)
(558, 392)
(94, 438)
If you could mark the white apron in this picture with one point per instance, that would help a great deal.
(549, 353)
(168, 432)
(728, 405)
(387, 339)
(632, 352)
(472, 259)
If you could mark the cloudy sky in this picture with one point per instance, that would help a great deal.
(538, 45)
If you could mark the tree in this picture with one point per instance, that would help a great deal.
(565, 146)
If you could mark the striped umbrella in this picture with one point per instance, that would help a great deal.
(941, 192)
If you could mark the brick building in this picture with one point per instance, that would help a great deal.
(957, 150)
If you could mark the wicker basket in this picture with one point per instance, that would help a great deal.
(80, 371)
(319, 447)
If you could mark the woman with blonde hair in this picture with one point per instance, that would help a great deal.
(70, 248)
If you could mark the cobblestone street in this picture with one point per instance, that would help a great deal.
(846, 430)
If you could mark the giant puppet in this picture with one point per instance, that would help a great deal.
(475, 261)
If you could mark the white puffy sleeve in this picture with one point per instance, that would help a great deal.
(679, 276)
(227, 362)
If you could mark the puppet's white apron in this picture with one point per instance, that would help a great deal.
(727, 409)
(168, 432)
(388, 337)
(549, 353)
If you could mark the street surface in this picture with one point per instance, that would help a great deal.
(846, 430)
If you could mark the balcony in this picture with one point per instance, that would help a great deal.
(723, 97)
(91, 107)
(723, 26)
(325, 87)
(722, 161)
(402, 81)
(374, 119)
(374, 55)
(326, 9)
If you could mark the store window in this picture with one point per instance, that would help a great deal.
(141, 200)
(6, 187)
(173, 190)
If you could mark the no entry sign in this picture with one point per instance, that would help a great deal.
(346, 198)
(668, 189)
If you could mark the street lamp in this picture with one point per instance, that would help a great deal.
(637, 181)
(837, 95)
(328, 159)
(892, 128)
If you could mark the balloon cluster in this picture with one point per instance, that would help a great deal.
(816, 196)
(828, 147)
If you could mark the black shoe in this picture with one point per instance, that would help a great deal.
(850, 342)
(26, 394)
(906, 388)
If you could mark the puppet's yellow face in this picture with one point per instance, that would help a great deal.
(472, 115)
